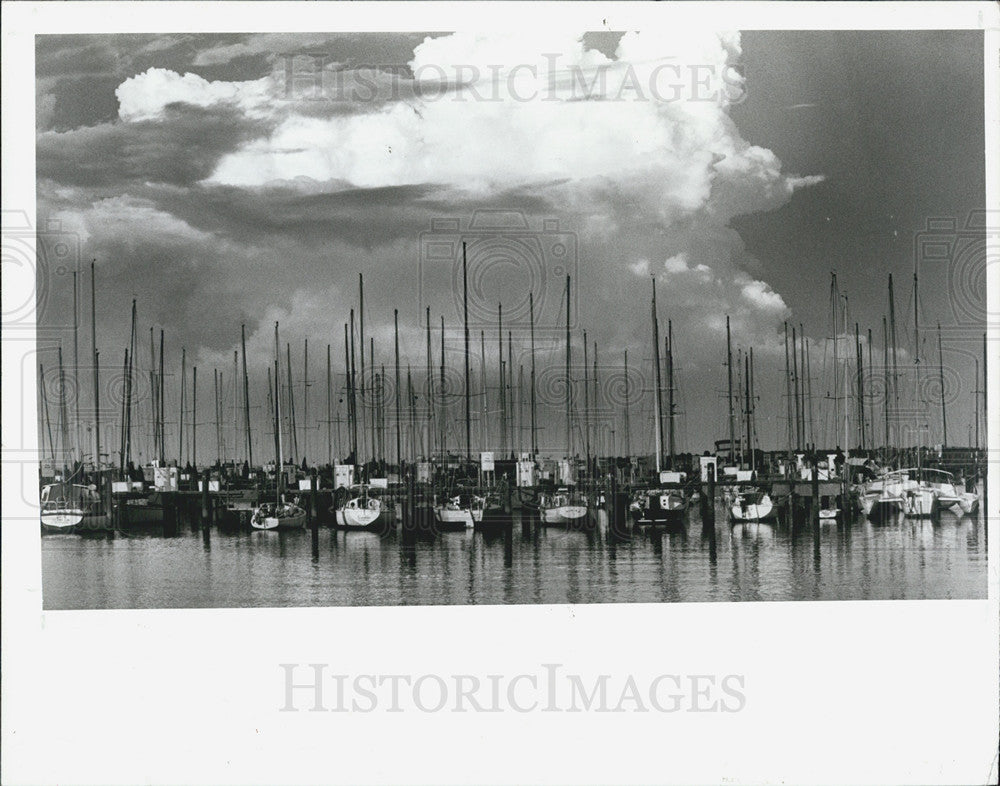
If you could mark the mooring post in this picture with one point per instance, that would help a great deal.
(708, 504)
(206, 502)
(313, 501)
(815, 492)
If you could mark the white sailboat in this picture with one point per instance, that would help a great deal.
(278, 514)
(363, 509)
(453, 513)
(751, 505)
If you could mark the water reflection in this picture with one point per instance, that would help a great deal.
(520, 563)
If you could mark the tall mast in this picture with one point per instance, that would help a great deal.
(729, 374)
(795, 388)
(443, 410)
(182, 433)
(399, 444)
(752, 409)
(293, 438)
(788, 397)
(246, 397)
(78, 447)
(531, 318)
(657, 402)
(892, 339)
(430, 391)
(503, 398)
(236, 407)
(280, 474)
(97, 396)
(870, 419)
(509, 406)
(835, 303)
(352, 393)
(194, 416)
(305, 402)
(944, 418)
(121, 420)
(465, 325)
(569, 385)
(162, 408)
(361, 335)
(628, 426)
(413, 414)
(483, 429)
(802, 385)
(272, 413)
(597, 406)
(975, 404)
(746, 403)
(520, 409)
(329, 407)
(129, 388)
(670, 393)
(63, 414)
(809, 397)
(218, 419)
(153, 402)
(861, 386)
(888, 382)
(347, 386)
(586, 404)
(48, 422)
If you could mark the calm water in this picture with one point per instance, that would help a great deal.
(908, 559)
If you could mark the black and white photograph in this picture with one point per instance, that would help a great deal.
(667, 317)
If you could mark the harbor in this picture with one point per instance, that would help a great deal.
(446, 480)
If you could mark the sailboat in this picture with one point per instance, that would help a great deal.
(453, 513)
(278, 514)
(661, 505)
(565, 507)
(364, 509)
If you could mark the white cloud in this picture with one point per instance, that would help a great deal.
(146, 95)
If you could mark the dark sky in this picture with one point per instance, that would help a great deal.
(217, 193)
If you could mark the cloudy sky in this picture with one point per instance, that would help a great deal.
(223, 180)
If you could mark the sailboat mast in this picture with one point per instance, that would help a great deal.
(861, 387)
(443, 410)
(503, 400)
(48, 422)
(430, 390)
(835, 304)
(788, 397)
(194, 417)
(892, 339)
(671, 445)
(597, 431)
(353, 399)
(795, 388)
(361, 336)
(657, 402)
(399, 443)
(153, 395)
(628, 425)
(329, 407)
(182, 433)
(78, 447)
(746, 404)
(465, 326)
(280, 472)
(944, 417)
(569, 385)
(586, 403)
(97, 396)
(236, 407)
(509, 401)
(888, 382)
(162, 408)
(531, 322)
(483, 429)
(520, 409)
(63, 415)
(246, 396)
(729, 375)
(305, 402)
